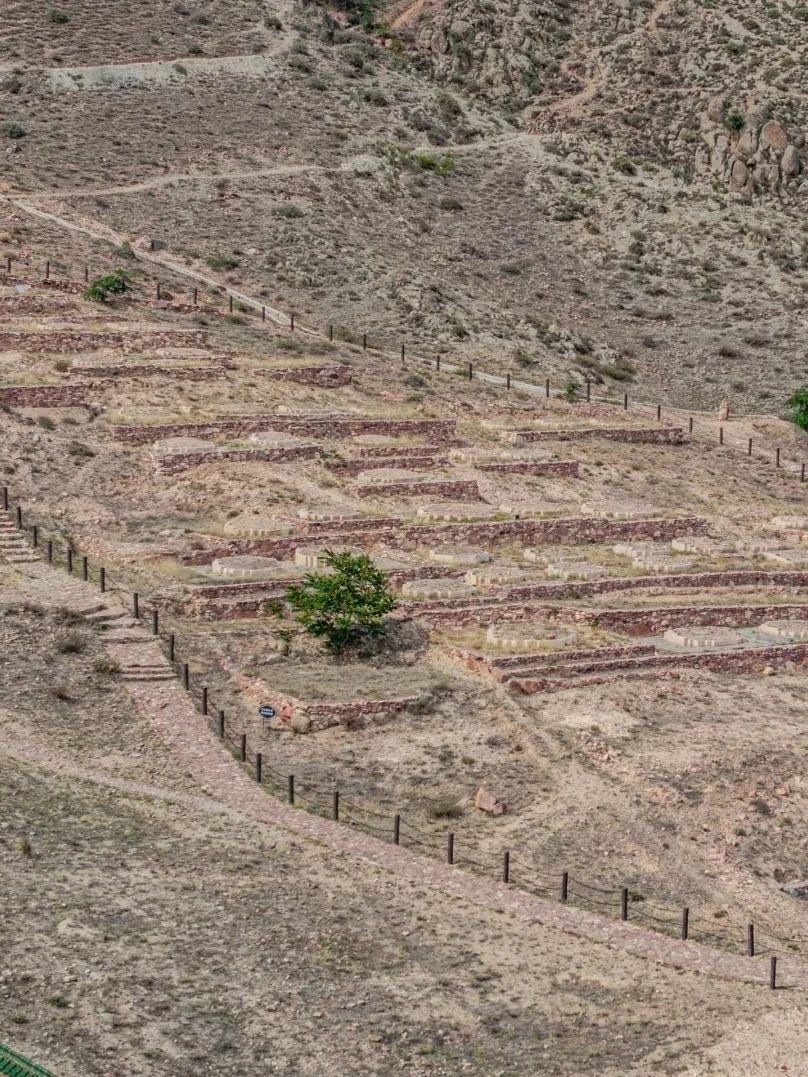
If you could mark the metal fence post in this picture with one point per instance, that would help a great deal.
(624, 904)
(565, 885)
(450, 848)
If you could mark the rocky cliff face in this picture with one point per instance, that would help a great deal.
(750, 150)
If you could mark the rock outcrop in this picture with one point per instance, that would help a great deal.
(750, 150)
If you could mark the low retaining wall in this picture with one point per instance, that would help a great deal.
(11, 305)
(629, 622)
(356, 467)
(311, 716)
(46, 396)
(142, 370)
(331, 376)
(558, 468)
(56, 284)
(171, 464)
(316, 426)
(503, 667)
(740, 578)
(569, 529)
(456, 489)
(77, 341)
(366, 533)
(747, 660)
(666, 435)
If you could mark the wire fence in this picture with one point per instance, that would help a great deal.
(619, 902)
(238, 303)
(324, 798)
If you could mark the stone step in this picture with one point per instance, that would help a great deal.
(147, 675)
(19, 558)
(104, 614)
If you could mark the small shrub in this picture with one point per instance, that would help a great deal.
(798, 406)
(272, 22)
(414, 380)
(58, 17)
(70, 643)
(440, 164)
(105, 664)
(46, 422)
(223, 261)
(734, 121)
(288, 210)
(102, 288)
(571, 390)
(15, 130)
(625, 166)
(445, 808)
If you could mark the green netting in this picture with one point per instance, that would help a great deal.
(15, 1065)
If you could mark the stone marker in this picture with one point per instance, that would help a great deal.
(703, 637)
(459, 555)
(788, 630)
(524, 636)
(248, 567)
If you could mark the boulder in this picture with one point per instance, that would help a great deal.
(485, 801)
(715, 108)
(773, 135)
(790, 164)
(797, 888)
(738, 175)
(748, 141)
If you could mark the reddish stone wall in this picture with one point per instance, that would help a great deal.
(503, 667)
(77, 341)
(234, 601)
(338, 427)
(740, 578)
(631, 622)
(12, 305)
(321, 715)
(330, 376)
(366, 533)
(45, 396)
(456, 489)
(171, 464)
(666, 435)
(746, 660)
(559, 468)
(56, 284)
(654, 621)
(574, 529)
(355, 467)
(143, 370)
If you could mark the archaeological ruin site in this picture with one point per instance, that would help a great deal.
(493, 321)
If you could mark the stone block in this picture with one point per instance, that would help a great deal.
(246, 567)
(527, 636)
(459, 555)
(787, 630)
(703, 637)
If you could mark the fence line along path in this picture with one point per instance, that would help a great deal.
(172, 712)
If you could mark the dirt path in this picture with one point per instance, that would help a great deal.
(227, 789)
(170, 179)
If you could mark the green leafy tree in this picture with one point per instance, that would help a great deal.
(798, 403)
(102, 288)
(348, 602)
